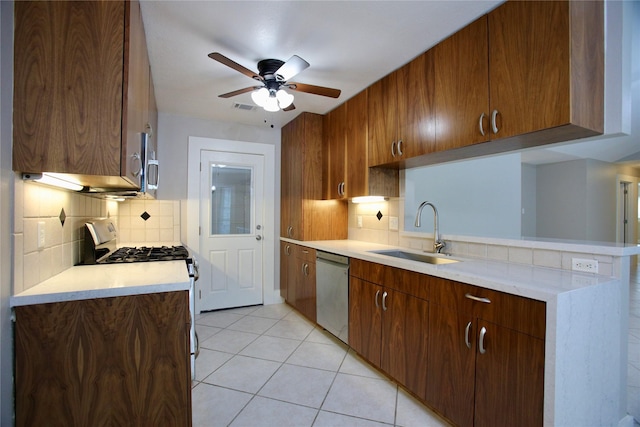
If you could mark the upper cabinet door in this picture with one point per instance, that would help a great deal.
(416, 110)
(68, 82)
(461, 87)
(335, 146)
(383, 120)
(530, 51)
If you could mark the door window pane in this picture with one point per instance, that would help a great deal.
(230, 200)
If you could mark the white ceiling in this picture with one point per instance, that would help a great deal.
(349, 44)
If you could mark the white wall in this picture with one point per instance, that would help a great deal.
(173, 137)
(479, 197)
(6, 177)
(576, 200)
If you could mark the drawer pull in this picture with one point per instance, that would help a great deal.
(377, 295)
(466, 335)
(483, 332)
(479, 299)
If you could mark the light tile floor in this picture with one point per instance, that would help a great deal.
(633, 376)
(269, 366)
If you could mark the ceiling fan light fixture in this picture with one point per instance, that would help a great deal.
(260, 96)
(284, 99)
(271, 104)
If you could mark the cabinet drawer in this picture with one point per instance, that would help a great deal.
(409, 282)
(511, 311)
(305, 253)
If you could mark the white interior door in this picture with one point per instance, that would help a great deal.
(231, 222)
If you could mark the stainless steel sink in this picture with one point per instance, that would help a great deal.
(429, 259)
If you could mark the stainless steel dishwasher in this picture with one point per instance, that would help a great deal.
(332, 293)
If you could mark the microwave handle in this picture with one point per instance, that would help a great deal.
(153, 186)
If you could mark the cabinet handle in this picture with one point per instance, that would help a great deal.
(305, 269)
(483, 332)
(466, 335)
(290, 231)
(479, 299)
(153, 186)
(393, 149)
(287, 250)
(377, 295)
(136, 158)
(494, 127)
(384, 300)
(480, 124)
(400, 148)
(343, 185)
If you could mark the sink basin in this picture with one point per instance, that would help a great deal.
(429, 259)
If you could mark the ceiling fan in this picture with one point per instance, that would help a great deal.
(274, 76)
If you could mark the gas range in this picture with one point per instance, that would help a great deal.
(145, 254)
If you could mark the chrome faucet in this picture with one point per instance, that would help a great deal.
(438, 244)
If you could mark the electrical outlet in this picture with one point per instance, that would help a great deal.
(585, 265)
(393, 223)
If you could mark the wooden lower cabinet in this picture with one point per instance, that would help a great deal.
(474, 355)
(108, 361)
(482, 373)
(389, 328)
(298, 278)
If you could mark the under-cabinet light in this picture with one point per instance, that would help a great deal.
(368, 199)
(49, 179)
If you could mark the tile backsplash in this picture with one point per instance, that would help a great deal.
(149, 222)
(61, 215)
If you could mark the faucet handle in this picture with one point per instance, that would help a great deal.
(438, 246)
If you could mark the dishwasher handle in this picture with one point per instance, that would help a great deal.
(332, 258)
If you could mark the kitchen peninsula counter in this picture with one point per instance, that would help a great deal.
(84, 282)
(587, 317)
(535, 282)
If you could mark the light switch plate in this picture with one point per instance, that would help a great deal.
(393, 223)
(359, 221)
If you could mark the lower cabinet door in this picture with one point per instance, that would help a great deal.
(509, 378)
(404, 339)
(451, 368)
(365, 319)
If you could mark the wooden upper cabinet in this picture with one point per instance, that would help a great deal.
(81, 89)
(336, 152)
(382, 106)
(461, 89)
(546, 68)
(303, 213)
(401, 113)
(416, 107)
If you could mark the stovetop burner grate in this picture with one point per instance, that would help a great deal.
(146, 254)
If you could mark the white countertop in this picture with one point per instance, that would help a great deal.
(107, 280)
(539, 283)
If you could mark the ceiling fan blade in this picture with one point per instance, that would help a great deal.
(293, 66)
(316, 90)
(239, 92)
(289, 108)
(232, 64)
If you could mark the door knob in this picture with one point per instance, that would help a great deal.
(258, 237)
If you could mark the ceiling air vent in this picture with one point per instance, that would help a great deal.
(244, 107)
